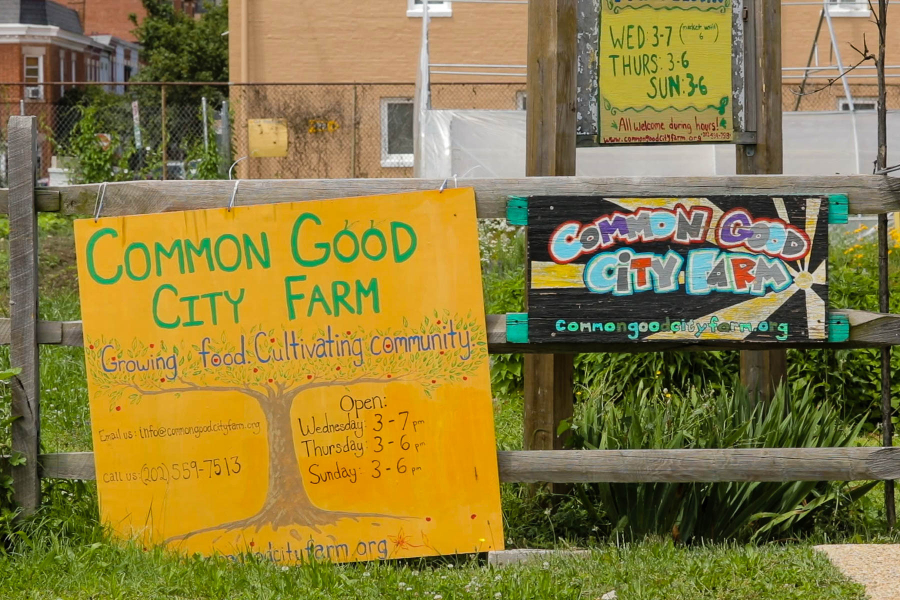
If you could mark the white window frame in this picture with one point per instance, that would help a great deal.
(392, 160)
(848, 8)
(435, 9)
(72, 63)
(869, 103)
(39, 55)
(62, 71)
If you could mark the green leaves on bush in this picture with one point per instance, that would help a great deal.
(96, 160)
(640, 417)
(7, 507)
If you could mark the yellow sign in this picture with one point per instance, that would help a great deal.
(665, 71)
(268, 137)
(303, 381)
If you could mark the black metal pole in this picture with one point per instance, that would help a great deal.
(883, 278)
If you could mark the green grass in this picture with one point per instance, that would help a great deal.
(59, 568)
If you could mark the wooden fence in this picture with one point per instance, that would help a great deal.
(23, 331)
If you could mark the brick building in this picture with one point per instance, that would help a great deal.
(376, 43)
(43, 41)
(365, 129)
(111, 17)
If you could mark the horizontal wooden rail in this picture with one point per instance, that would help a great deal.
(867, 330)
(632, 466)
(750, 464)
(868, 194)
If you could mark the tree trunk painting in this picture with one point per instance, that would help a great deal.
(287, 504)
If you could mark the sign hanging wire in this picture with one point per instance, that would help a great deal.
(233, 194)
(98, 204)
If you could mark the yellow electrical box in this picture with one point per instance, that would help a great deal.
(268, 137)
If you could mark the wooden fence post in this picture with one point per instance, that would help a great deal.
(23, 300)
(763, 370)
(550, 150)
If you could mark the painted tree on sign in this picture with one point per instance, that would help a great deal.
(428, 355)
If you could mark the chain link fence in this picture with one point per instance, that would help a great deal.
(818, 95)
(94, 133)
(106, 133)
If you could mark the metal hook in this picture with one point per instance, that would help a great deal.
(98, 204)
(443, 186)
(233, 194)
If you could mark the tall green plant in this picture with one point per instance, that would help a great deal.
(203, 156)
(639, 417)
(96, 160)
(7, 506)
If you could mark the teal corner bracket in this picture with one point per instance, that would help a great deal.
(838, 209)
(517, 210)
(838, 327)
(517, 328)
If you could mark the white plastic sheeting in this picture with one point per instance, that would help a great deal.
(482, 143)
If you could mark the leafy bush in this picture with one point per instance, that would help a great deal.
(204, 155)
(94, 162)
(7, 507)
(640, 417)
(503, 278)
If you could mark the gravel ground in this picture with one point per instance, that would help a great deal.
(876, 566)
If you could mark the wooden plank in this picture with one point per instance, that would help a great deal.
(48, 332)
(23, 300)
(550, 151)
(868, 194)
(675, 466)
(70, 465)
(632, 466)
(874, 328)
(867, 330)
(587, 76)
(47, 200)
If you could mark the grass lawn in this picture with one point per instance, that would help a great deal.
(59, 568)
(64, 552)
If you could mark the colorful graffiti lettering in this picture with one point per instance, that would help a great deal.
(709, 270)
(769, 236)
(679, 225)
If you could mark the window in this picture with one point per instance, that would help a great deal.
(396, 132)
(858, 104)
(848, 8)
(34, 75)
(436, 8)
(72, 64)
(62, 71)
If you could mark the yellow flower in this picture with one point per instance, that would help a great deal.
(859, 256)
(658, 372)
(668, 395)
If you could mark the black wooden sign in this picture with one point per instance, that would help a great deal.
(612, 270)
